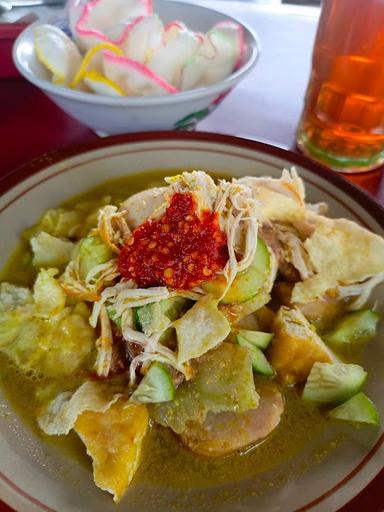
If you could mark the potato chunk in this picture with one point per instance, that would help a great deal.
(296, 347)
(113, 439)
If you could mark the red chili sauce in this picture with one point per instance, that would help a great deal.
(180, 249)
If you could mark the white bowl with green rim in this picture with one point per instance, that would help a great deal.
(109, 116)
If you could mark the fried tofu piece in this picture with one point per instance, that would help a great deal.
(296, 347)
(114, 439)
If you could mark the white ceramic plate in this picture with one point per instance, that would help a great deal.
(35, 476)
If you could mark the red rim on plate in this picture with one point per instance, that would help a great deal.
(14, 177)
(375, 210)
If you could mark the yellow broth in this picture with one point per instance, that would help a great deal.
(165, 462)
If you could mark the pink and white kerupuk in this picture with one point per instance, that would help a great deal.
(133, 77)
(101, 21)
(157, 59)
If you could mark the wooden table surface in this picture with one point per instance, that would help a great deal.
(265, 106)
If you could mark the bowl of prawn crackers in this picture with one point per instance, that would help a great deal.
(128, 66)
(188, 320)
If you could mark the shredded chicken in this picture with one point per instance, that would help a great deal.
(104, 346)
(122, 298)
(238, 217)
(113, 227)
(362, 291)
(125, 295)
(102, 274)
(153, 350)
(97, 278)
(294, 251)
(268, 233)
(198, 182)
(304, 228)
(288, 247)
(74, 287)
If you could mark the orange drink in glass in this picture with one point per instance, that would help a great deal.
(342, 124)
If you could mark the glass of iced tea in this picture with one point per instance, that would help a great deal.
(342, 124)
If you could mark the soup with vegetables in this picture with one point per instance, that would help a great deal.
(230, 313)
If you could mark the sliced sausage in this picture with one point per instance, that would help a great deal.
(227, 432)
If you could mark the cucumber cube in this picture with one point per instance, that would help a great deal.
(247, 283)
(257, 338)
(359, 409)
(156, 386)
(333, 382)
(259, 362)
(356, 327)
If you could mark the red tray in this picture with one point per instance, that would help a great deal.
(8, 34)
